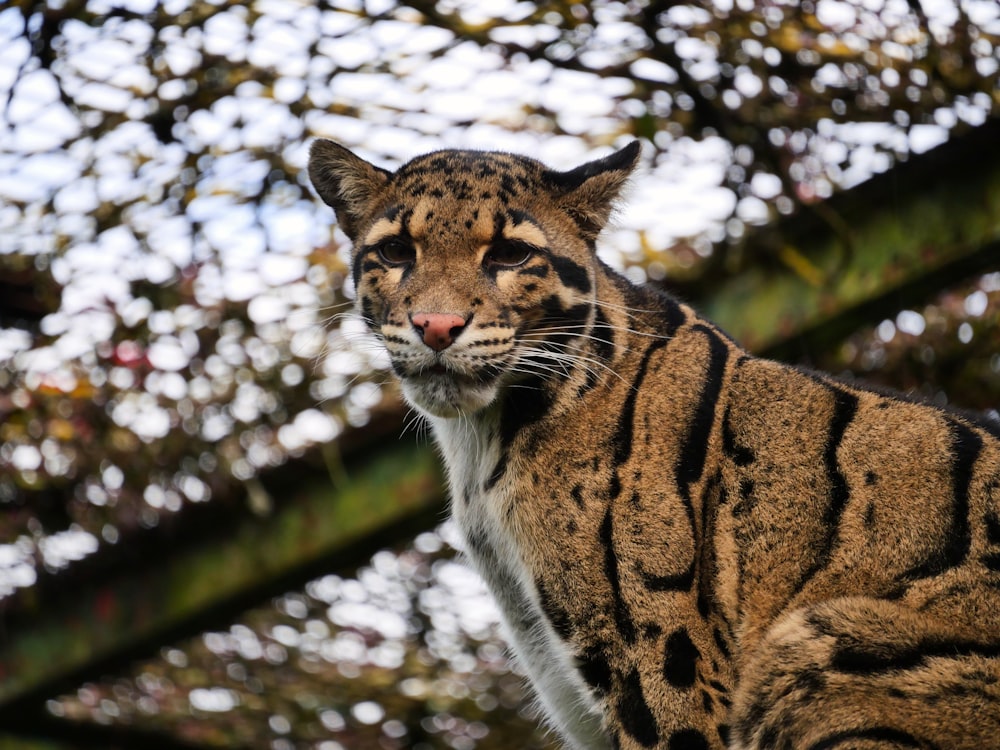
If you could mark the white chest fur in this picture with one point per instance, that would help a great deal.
(470, 456)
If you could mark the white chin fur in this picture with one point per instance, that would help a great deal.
(444, 397)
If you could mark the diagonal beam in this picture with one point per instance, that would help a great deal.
(315, 527)
(868, 252)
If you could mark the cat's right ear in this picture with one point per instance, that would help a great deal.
(346, 182)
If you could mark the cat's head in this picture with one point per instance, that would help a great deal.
(475, 269)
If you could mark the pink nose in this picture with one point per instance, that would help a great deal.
(438, 329)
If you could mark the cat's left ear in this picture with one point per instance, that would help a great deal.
(588, 192)
(346, 182)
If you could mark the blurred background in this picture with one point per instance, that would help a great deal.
(219, 528)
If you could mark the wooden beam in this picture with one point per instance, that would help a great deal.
(316, 527)
(11, 742)
(871, 251)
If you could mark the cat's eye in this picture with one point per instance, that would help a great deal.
(396, 252)
(508, 254)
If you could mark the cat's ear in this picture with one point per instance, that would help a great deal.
(588, 192)
(345, 182)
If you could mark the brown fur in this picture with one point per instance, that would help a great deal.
(706, 549)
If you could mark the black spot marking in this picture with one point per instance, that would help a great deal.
(723, 496)
(602, 344)
(992, 529)
(676, 582)
(870, 518)
(634, 713)
(966, 446)
(577, 494)
(870, 478)
(635, 500)
(498, 472)
(614, 486)
(687, 739)
(868, 658)
(595, 670)
(356, 263)
(476, 539)
(741, 455)
(574, 315)
(603, 337)
(769, 738)
(670, 313)
(571, 273)
(571, 318)
(845, 405)
(517, 216)
(622, 439)
(369, 265)
(507, 185)
(694, 449)
(723, 730)
(522, 407)
(752, 717)
(720, 643)
(680, 659)
(368, 312)
(623, 618)
(539, 271)
(557, 616)
(499, 222)
(808, 684)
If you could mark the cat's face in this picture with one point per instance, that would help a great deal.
(475, 269)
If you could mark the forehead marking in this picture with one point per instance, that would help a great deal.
(383, 228)
(417, 225)
(483, 226)
(526, 231)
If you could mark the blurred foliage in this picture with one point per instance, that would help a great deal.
(405, 655)
(947, 353)
(172, 306)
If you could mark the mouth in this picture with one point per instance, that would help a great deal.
(439, 372)
(444, 391)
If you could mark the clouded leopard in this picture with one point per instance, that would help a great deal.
(691, 547)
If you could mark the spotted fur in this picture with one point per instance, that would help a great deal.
(691, 547)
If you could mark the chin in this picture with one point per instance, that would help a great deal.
(444, 397)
